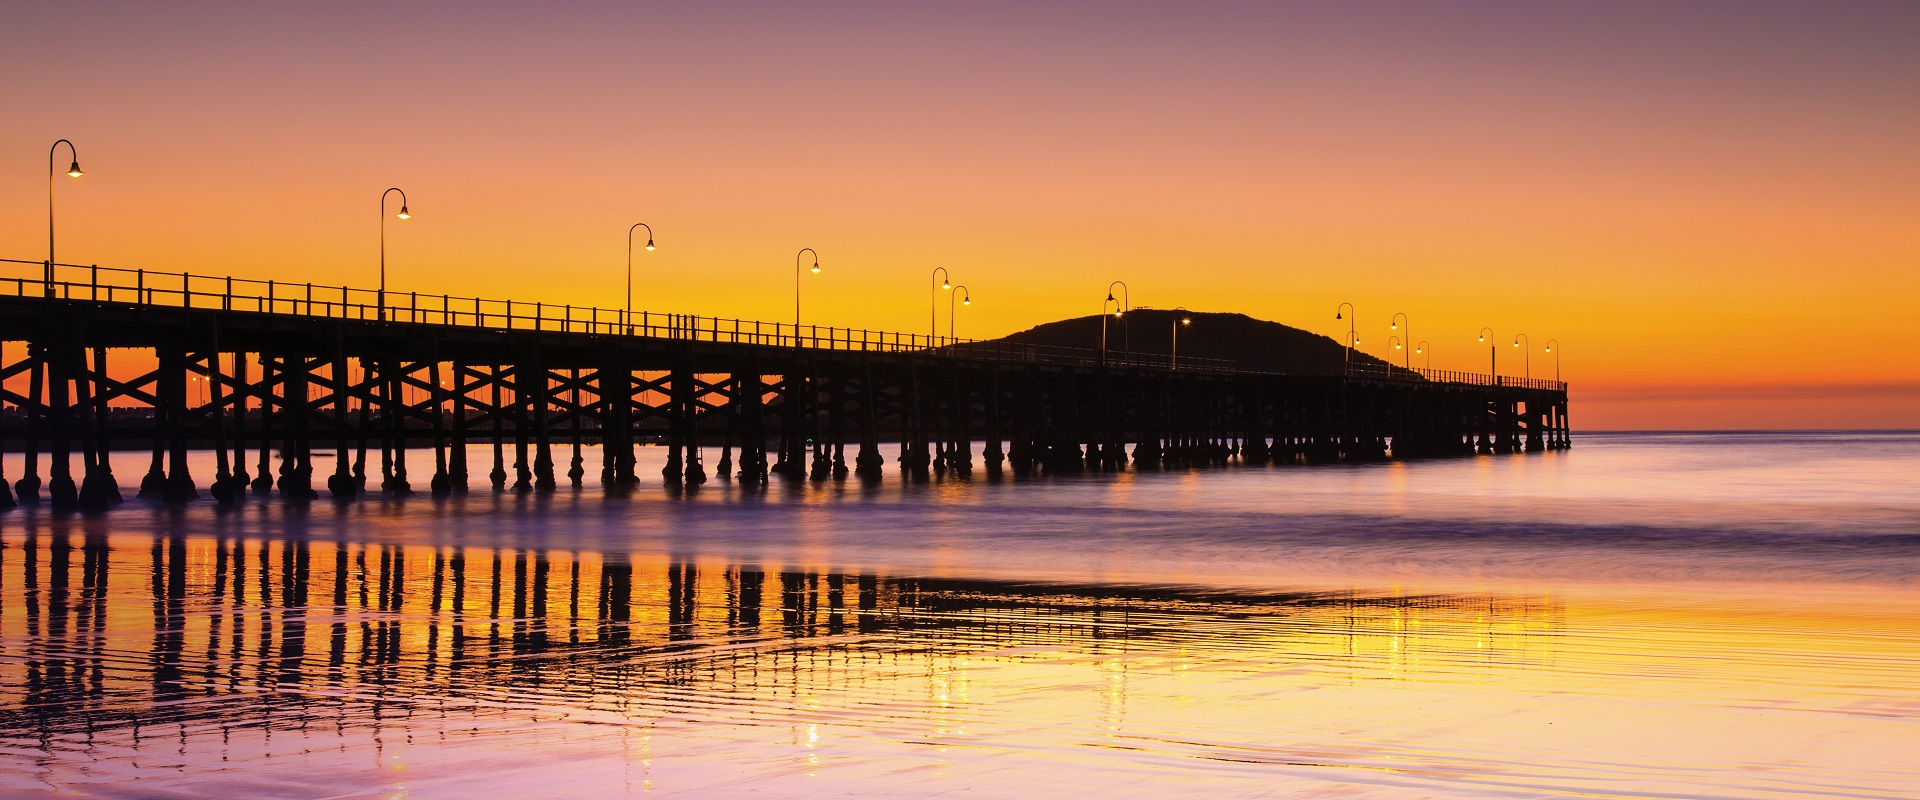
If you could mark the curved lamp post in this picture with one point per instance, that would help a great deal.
(1119, 310)
(796, 288)
(1526, 353)
(1394, 325)
(941, 279)
(1178, 322)
(72, 172)
(1353, 336)
(628, 314)
(382, 303)
(1427, 349)
(1551, 344)
(1395, 343)
(960, 293)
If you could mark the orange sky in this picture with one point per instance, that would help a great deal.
(1713, 209)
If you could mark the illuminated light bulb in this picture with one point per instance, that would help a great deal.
(816, 269)
(403, 212)
(966, 301)
(949, 285)
(649, 245)
(74, 171)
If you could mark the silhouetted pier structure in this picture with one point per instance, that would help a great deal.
(273, 376)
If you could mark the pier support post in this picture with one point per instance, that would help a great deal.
(673, 471)
(868, 464)
(995, 455)
(224, 491)
(28, 487)
(457, 459)
(296, 456)
(731, 390)
(179, 486)
(62, 492)
(341, 483)
(365, 390)
(441, 484)
(576, 469)
(395, 411)
(263, 473)
(498, 475)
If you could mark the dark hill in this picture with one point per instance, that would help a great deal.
(1248, 343)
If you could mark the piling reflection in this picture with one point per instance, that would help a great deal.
(192, 639)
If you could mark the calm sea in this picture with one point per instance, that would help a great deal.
(1646, 615)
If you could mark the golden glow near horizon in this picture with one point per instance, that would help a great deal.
(1717, 247)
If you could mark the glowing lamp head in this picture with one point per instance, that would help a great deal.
(816, 267)
(1116, 313)
(1398, 347)
(1186, 321)
(966, 301)
(1516, 344)
(73, 171)
(404, 214)
(1483, 338)
(1394, 327)
(649, 245)
(1418, 350)
(946, 284)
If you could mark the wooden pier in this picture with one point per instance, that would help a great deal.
(295, 386)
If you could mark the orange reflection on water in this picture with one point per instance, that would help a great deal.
(298, 667)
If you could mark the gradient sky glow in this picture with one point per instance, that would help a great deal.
(1715, 207)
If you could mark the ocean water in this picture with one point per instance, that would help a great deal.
(1646, 615)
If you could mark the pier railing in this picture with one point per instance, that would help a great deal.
(1388, 372)
(92, 283)
(97, 284)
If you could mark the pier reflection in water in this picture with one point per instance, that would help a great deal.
(199, 654)
(263, 667)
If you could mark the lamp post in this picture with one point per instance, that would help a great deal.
(1394, 325)
(382, 302)
(72, 172)
(1423, 347)
(1395, 343)
(1493, 354)
(628, 314)
(1353, 335)
(1119, 310)
(1173, 362)
(941, 280)
(1526, 353)
(959, 292)
(1551, 344)
(796, 288)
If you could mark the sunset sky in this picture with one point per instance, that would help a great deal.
(1714, 207)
